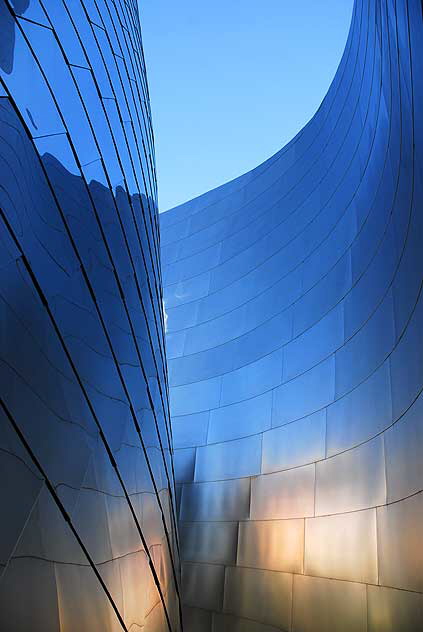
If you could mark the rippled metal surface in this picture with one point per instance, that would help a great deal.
(294, 341)
(87, 534)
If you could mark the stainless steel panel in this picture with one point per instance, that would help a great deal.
(399, 535)
(175, 345)
(361, 414)
(238, 420)
(253, 379)
(27, 486)
(196, 397)
(294, 444)
(222, 500)
(92, 610)
(197, 620)
(352, 480)
(184, 463)
(263, 596)
(230, 623)
(305, 394)
(391, 610)
(320, 298)
(155, 619)
(214, 542)
(133, 570)
(315, 344)
(403, 446)
(231, 459)
(327, 604)
(288, 494)
(276, 545)
(407, 364)
(215, 332)
(367, 349)
(342, 547)
(25, 599)
(202, 585)
(185, 291)
(190, 430)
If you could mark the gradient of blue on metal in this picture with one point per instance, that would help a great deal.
(294, 343)
(88, 530)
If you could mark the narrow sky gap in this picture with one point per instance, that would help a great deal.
(232, 82)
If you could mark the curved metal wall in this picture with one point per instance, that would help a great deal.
(87, 534)
(295, 355)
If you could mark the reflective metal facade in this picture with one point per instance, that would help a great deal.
(87, 533)
(295, 354)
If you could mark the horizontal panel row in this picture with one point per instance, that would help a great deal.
(343, 546)
(317, 605)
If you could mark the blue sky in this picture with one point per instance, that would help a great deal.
(232, 81)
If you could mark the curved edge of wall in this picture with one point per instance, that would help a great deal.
(294, 334)
(88, 537)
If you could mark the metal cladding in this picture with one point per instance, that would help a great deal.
(295, 354)
(87, 534)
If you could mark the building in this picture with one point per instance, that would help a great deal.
(88, 532)
(295, 357)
